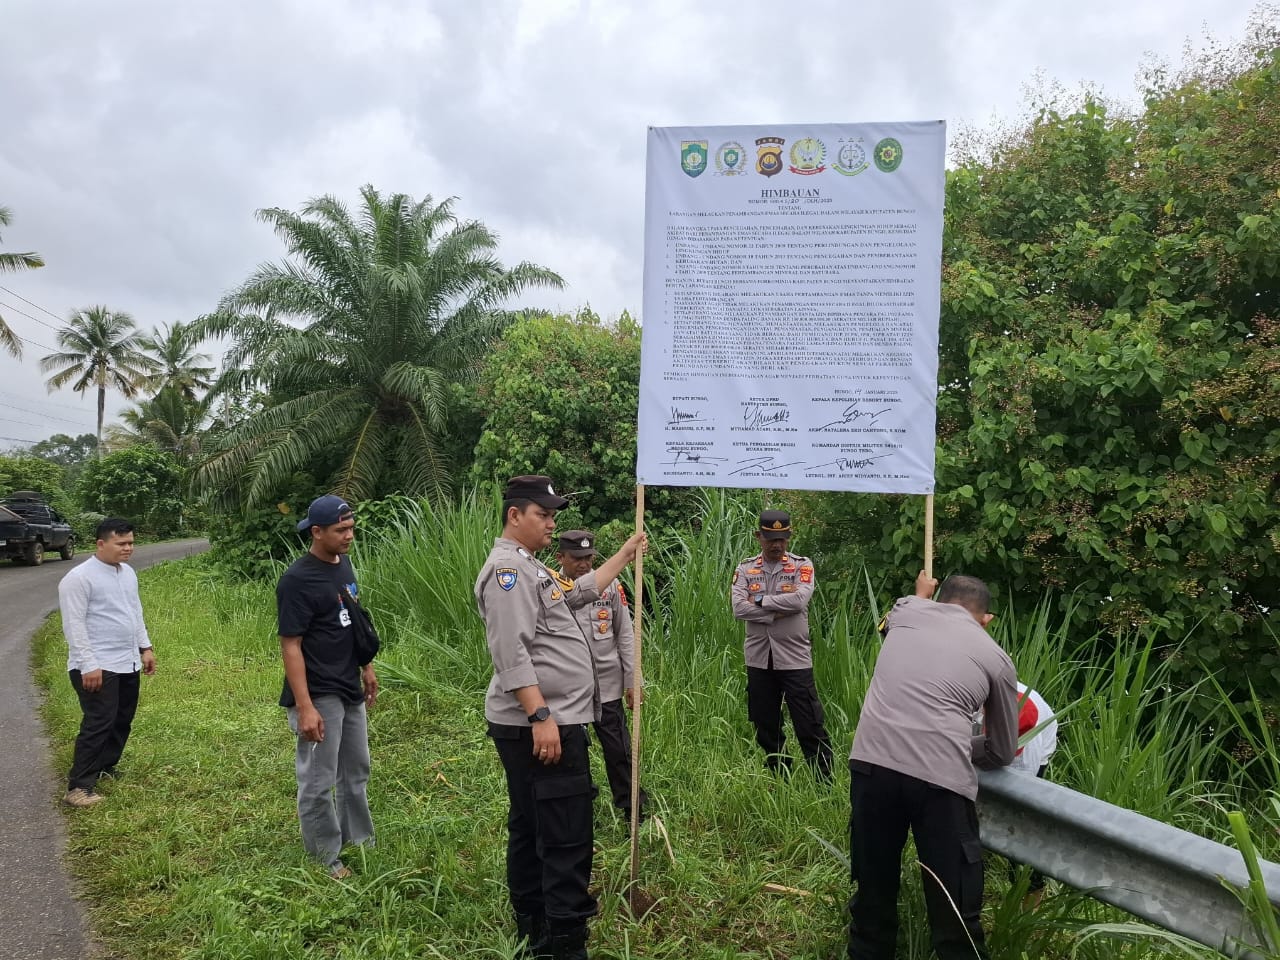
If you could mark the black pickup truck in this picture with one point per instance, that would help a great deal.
(29, 528)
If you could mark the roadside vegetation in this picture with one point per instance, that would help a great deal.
(195, 854)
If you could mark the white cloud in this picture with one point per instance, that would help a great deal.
(147, 133)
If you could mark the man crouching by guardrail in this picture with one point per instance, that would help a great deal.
(912, 763)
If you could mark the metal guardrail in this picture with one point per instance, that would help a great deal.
(1164, 875)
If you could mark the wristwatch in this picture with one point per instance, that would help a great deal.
(542, 713)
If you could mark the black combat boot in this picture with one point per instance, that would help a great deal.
(569, 945)
(532, 930)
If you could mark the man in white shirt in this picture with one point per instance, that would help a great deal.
(107, 650)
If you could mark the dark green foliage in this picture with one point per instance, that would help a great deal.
(141, 484)
(65, 450)
(31, 473)
(561, 396)
(258, 542)
(1109, 419)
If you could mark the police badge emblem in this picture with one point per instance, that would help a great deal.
(731, 159)
(807, 156)
(851, 158)
(888, 155)
(693, 156)
(769, 155)
(506, 577)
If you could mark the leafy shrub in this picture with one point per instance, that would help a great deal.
(141, 484)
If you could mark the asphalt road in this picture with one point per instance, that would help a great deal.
(40, 918)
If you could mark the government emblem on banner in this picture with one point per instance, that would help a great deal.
(851, 158)
(769, 155)
(731, 159)
(807, 156)
(693, 156)
(888, 155)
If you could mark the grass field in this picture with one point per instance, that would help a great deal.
(196, 853)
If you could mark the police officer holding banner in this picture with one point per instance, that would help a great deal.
(542, 695)
(607, 622)
(771, 592)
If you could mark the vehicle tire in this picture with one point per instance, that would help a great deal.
(68, 549)
(35, 554)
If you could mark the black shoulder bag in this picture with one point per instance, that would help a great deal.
(364, 636)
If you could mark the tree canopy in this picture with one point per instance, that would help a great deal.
(98, 348)
(394, 305)
(1110, 380)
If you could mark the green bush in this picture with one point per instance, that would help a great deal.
(254, 544)
(1109, 411)
(141, 484)
(561, 395)
(33, 473)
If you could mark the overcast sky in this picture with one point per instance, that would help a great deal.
(138, 137)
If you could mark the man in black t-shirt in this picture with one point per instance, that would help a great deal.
(326, 688)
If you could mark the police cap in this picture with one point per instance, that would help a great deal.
(775, 524)
(578, 543)
(535, 488)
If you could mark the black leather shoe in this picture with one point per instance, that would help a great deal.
(532, 930)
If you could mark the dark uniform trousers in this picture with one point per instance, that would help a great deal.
(615, 745)
(104, 730)
(767, 690)
(884, 804)
(549, 828)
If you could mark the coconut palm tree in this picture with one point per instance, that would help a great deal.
(98, 348)
(172, 347)
(393, 306)
(167, 421)
(12, 263)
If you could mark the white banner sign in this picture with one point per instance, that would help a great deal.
(791, 290)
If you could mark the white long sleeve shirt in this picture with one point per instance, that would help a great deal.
(102, 618)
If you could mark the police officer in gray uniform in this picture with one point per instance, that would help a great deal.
(542, 695)
(771, 592)
(607, 622)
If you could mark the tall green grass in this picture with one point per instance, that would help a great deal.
(196, 853)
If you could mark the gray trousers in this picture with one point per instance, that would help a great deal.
(333, 776)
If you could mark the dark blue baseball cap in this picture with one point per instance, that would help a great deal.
(324, 511)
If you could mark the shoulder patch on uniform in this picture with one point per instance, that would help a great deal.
(622, 594)
(735, 576)
(506, 577)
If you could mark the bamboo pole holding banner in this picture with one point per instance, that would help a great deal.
(928, 535)
(636, 695)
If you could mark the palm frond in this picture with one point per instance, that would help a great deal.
(9, 340)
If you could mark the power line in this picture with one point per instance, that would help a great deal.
(19, 440)
(38, 400)
(46, 416)
(34, 343)
(31, 303)
(43, 323)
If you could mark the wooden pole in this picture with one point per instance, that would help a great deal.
(636, 695)
(928, 535)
